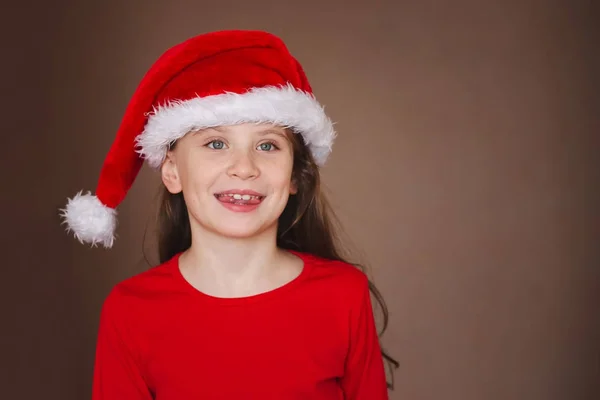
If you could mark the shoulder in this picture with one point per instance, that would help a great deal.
(341, 277)
(129, 295)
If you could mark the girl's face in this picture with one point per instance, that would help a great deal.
(236, 179)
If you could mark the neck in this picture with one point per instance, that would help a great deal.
(231, 265)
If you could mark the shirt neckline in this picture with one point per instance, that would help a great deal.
(233, 301)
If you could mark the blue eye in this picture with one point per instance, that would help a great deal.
(216, 145)
(267, 146)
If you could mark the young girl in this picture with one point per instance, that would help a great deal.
(252, 299)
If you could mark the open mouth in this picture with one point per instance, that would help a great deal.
(239, 198)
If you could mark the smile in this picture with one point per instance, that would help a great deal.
(240, 200)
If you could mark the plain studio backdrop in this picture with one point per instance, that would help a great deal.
(465, 172)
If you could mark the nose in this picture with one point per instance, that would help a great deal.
(243, 166)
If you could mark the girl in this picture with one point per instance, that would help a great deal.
(251, 298)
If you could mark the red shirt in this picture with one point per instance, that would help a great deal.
(313, 338)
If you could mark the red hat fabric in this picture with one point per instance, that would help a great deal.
(214, 79)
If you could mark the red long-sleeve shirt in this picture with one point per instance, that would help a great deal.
(313, 338)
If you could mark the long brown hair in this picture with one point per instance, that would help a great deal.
(308, 224)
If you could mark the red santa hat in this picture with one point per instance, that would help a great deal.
(215, 79)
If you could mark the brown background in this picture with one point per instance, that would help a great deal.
(466, 173)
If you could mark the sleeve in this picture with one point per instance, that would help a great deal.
(116, 371)
(364, 375)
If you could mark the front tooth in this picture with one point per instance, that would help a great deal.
(246, 197)
(237, 196)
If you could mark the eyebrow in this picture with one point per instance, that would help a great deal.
(273, 131)
(216, 128)
(262, 132)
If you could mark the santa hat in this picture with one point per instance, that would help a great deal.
(215, 79)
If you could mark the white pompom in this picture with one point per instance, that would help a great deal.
(90, 220)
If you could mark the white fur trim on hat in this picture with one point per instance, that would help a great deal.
(285, 106)
(90, 220)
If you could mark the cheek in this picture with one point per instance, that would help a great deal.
(197, 175)
(282, 180)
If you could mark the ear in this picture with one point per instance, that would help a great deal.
(170, 174)
(293, 187)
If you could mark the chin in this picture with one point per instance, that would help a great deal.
(237, 225)
(240, 231)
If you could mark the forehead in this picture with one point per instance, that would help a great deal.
(255, 130)
(258, 129)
